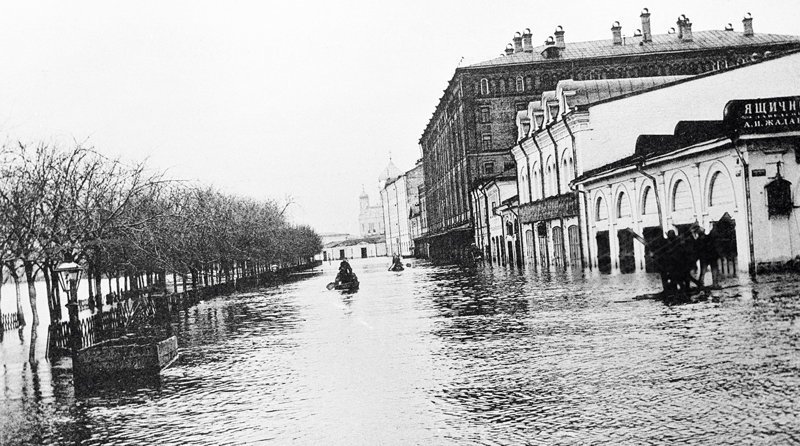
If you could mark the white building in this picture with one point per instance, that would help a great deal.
(399, 192)
(496, 225)
(554, 146)
(358, 248)
(647, 153)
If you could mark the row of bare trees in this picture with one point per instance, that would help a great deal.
(127, 222)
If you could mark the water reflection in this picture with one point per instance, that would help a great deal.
(440, 355)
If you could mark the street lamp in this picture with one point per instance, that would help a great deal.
(69, 275)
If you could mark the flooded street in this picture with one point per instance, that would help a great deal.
(442, 355)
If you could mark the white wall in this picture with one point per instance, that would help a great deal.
(615, 125)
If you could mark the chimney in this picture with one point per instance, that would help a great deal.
(560, 37)
(747, 21)
(647, 36)
(509, 49)
(616, 31)
(687, 30)
(517, 42)
(680, 21)
(527, 41)
(729, 27)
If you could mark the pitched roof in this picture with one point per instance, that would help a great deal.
(661, 43)
(589, 91)
(687, 134)
(389, 173)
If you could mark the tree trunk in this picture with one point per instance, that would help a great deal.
(30, 277)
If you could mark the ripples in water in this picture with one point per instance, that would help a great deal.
(443, 355)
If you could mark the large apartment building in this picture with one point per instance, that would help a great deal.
(473, 127)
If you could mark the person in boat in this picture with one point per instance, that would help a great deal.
(345, 272)
(397, 263)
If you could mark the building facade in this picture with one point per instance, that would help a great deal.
(370, 217)
(398, 194)
(495, 224)
(740, 173)
(473, 126)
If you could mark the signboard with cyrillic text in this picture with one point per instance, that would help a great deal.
(763, 115)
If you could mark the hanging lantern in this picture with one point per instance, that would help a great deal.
(68, 273)
(779, 197)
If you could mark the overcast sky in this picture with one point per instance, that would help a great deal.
(273, 99)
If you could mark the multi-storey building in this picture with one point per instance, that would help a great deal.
(399, 193)
(473, 126)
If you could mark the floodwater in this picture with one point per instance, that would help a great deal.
(441, 355)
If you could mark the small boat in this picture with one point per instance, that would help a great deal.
(351, 285)
(117, 357)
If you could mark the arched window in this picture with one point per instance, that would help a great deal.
(536, 182)
(720, 190)
(623, 206)
(520, 84)
(601, 210)
(484, 86)
(649, 205)
(502, 85)
(681, 197)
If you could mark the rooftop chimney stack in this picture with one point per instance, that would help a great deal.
(509, 49)
(559, 33)
(527, 41)
(680, 21)
(550, 41)
(518, 42)
(687, 30)
(647, 36)
(747, 21)
(616, 31)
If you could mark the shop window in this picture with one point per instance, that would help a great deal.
(601, 210)
(720, 190)
(649, 205)
(623, 206)
(681, 197)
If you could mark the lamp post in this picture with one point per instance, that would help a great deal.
(69, 276)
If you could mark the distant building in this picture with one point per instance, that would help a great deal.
(356, 248)
(495, 223)
(473, 126)
(370, 218)
(399, 195)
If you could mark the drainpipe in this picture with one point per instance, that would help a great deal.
(557, 164)
(751, 265)
(541, 176)
(575, 175)
(639, 167)
(488, 228)
(502, 225)
(585, 210)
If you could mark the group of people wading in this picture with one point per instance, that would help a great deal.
(677, 256)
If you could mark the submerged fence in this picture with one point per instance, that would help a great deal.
(148, 313)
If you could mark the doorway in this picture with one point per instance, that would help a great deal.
(627, 260)
(603, 252)
(363, 253)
